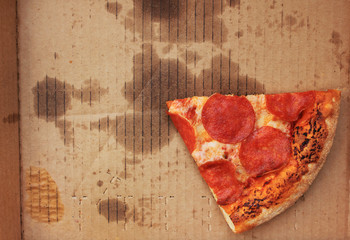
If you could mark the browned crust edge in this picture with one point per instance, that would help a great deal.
(301, 186)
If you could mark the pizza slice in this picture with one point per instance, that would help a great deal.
(257, 153)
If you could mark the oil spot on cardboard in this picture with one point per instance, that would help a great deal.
(53, 98)
(160, 79)
(66, 131)
(11, 118)
(239, 34)
(42, 202)
(272, 6)
(258, 31)
(167, 49)
(161, 9)
(124, 175)
(189, 57)
(294, 22)
(157, 80)
(249, 29)
(118, 210)
(290, 20)
(99, 183)
(127, 132)
(301, 23)
(233, 3)
(341, 55)
(133, 161)
(167, 75)
(336, 39)
(114, 8)
(113, 209)
(231, 81)
(177, 14)
(50, 98)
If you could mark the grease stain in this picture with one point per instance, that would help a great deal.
(114, 8)
(99, 183)
(342, 58)
(11, 118)
(175, 14)
(113, 209)
(233, 3)
(52, 97)
(118, 210)
(43, 202)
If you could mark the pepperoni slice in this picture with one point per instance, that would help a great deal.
(185, 129)
(228, 119)
(266, 149)
(288, 106)
(220, 176)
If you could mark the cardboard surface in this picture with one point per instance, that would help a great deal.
(100, 158)
(10, 225)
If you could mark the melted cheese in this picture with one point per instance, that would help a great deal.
(209, 149)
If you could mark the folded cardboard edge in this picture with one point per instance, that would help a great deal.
(10, 219)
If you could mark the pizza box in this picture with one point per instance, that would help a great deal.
(87, 150)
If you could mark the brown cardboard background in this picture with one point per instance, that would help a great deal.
(94, 78)
(10, 225)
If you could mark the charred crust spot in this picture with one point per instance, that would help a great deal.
(309, 139)
(309, 135)
(267, 182)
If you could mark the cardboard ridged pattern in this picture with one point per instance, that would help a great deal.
(100, 158)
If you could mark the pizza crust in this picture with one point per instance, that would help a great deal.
(277, 190)
(300, 187)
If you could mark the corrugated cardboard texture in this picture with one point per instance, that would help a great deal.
(101, 160)
(10, 226)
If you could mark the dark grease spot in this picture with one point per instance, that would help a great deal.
(99, 183)
(91, 91)
(128, 137)
(249, 29)
(11, 118)
(66, 131)
(302, 23)
(239, 34)
(233, 3)
(172, 14)
(130, 13)
(133, 161)
(125, 176)
(290, 20)
(160, 9)
(190, 56)
(338, 51)
(258, 31)
(52, 97)
(167, 49)
(114, 8)
(336, 39)
(113, 210)
(158, 80)
(224, 77)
